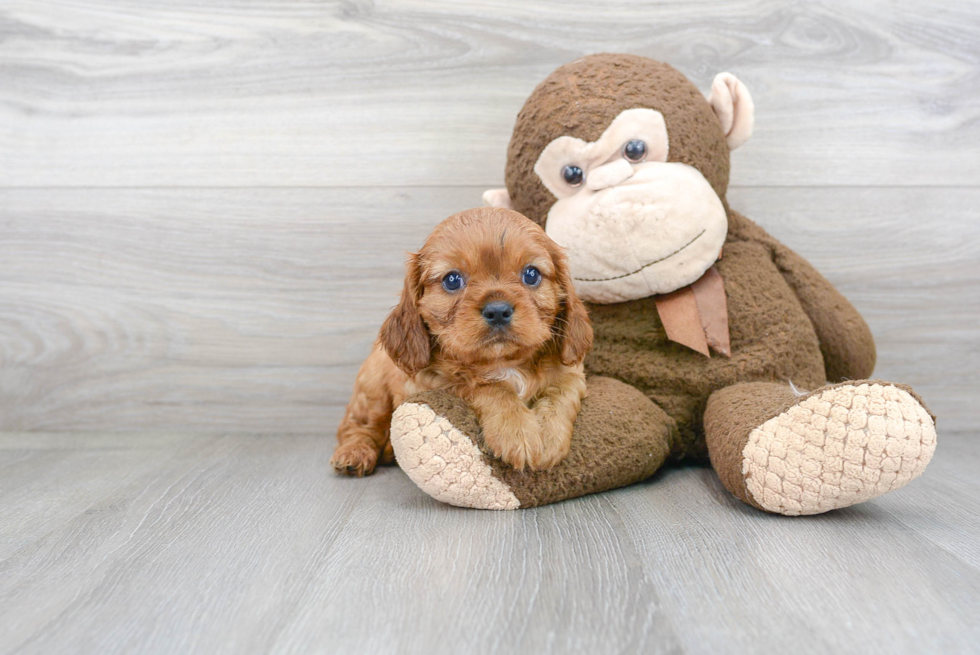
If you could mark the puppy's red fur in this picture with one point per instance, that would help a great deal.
(525, 382)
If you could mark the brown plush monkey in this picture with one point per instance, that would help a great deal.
(712, 339)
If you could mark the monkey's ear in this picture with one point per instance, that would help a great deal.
(404, 335)
(574, 330)
(734, 107)
(497, 198)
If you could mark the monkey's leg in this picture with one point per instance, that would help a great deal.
(620, 437)
(837, 446)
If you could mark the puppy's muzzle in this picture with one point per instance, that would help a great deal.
(498, 313)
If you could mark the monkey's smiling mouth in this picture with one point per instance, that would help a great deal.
(656, 261)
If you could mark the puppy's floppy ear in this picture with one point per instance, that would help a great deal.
(574, 331)
(404, 335)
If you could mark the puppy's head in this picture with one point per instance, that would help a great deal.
(488, 285)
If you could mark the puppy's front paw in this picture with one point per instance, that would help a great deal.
(355, 458)
(556, 433)
(516, 442)
(553, 452)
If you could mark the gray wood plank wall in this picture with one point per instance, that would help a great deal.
(204, 205)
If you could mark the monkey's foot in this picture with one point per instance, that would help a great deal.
(445, 462)
(838, 446)
(620, 437)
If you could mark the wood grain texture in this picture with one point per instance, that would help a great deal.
(204, 209)
(878, 577)
(250, 310)
(150, 302)
(239, 544)
(245, 92)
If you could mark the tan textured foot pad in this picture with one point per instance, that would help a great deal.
(444, 462)
(838, 447)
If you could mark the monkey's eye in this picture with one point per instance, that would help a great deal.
(453, 281)
(572, 175)
(635, 151)
(531, 276)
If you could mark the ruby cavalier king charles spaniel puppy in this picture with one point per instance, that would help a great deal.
(489, 314)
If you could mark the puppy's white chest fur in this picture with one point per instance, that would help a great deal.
(514, 378)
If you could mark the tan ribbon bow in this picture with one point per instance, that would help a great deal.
(696, 316)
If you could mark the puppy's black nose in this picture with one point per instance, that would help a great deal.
(498, 313)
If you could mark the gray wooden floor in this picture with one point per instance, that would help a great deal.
(204, 207)
(243, 544)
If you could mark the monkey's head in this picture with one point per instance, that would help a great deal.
(625, 163)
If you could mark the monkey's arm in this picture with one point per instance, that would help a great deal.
(845, 339)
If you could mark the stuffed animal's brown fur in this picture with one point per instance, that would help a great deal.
(788, 420)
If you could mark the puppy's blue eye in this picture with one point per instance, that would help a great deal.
(452, 281)
(531, 276)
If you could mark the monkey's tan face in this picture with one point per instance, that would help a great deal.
(633, 224)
